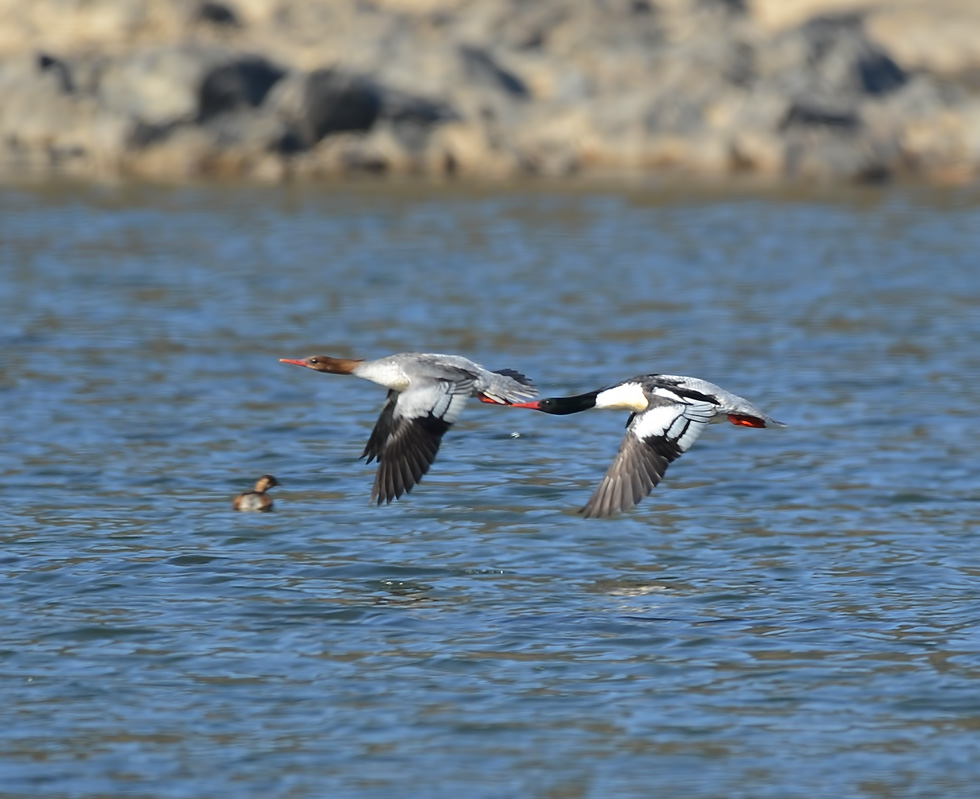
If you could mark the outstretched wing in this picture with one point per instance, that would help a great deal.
(407, 435)
(382, 428)
(655, 438)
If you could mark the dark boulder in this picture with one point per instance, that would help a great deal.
(338, 102)
(838, 57)
(218, 14)
(243, 83)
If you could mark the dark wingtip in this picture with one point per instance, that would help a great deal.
(520, 377)
(591, 511)
(588, 513)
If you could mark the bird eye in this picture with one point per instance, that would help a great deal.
(314, 360)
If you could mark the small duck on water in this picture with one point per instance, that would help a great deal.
(257, 499)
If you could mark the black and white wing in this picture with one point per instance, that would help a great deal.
(654, 439)
(407, 435)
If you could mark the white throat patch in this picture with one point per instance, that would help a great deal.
(624, 397)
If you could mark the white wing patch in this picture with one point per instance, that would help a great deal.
(679, 424)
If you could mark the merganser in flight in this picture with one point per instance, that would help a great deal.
(257, 499)
(669, 412)
(426, 395)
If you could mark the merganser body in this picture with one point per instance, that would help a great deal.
(668, 413)
(426, 395)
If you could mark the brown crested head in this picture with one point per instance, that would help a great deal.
(265, 482)
(324, 363)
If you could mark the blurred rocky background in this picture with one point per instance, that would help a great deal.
(303, 89)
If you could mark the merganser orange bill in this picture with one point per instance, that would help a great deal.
(426, 395)
(668, 413)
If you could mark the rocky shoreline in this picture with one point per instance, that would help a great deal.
(280, 90)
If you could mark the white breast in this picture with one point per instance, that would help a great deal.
(625, 397)
(385, 372)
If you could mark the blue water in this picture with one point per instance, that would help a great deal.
(792, 613)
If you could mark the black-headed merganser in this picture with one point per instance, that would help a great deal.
(257, 499)
(669, 412)
(426, 395)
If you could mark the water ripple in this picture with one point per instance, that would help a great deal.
(792, 613)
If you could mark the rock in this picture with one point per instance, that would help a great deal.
(241, 83)
(58, 68)
(403, 108)
(942, 36)
(813, 86)
(165, 90)
(934, 35)
(94, 26)
(337, 102)
(783, 14)
(462, 150)
(182, 155)
(840, 57)
(838, 157)
(298, 89)
(801, 115)
(38, 98)
(218, 14)
(158, 87)
(481, 68)
(829, 59)
(328, 102)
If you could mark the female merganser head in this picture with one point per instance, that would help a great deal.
(668, 413)
(324, 363)
(426, 395)
(257, 499)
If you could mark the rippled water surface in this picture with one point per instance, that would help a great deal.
(792, 613)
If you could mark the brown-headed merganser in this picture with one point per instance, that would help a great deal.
(426, 394)
(669, 412)
(257, 499)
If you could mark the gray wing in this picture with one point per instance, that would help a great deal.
(655, 439)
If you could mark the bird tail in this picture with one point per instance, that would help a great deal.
(746, 420)
(515, 387)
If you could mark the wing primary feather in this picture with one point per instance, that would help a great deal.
(407, 455)
(382, 429)
(520, 377)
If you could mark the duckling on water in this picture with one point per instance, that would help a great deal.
(257, 499)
